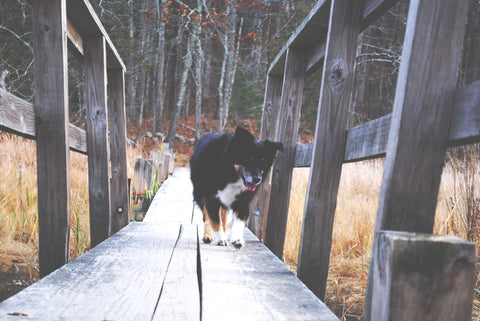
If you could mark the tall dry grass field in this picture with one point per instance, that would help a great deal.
(457, 214)
(19, 205)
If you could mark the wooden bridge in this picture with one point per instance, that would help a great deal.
(158, 269)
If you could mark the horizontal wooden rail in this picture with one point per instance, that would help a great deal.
(311, 35)
(18, 116)
(369, 140)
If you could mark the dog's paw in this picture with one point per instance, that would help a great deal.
(222, 242)
(207, 239)
(238, 243)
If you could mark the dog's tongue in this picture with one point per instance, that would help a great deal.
(251, 187)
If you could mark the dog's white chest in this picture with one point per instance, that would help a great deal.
(229, 194)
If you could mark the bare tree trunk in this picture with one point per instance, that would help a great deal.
(198, 74)
(187, 63)
(229, 64)
(130, 85)
(159, 90)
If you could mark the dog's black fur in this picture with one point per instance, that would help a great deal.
(225, 171)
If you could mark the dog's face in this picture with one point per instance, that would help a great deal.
(251, 158)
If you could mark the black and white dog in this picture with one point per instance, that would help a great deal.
(226, 169)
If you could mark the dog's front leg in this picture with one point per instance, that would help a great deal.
(213, 224)
(239, 223)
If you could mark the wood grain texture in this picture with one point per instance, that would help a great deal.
(423, 277)
(311, 35)
(82, 15)
(422, 111)
(51, 121)
(252, 284)
(329, 148)
(17, 116)
(287, 133)
(97, 140)
(120, 279)
(119, 193)
(268, 130)
(174, 200)
(180, 295)
(370, 140)
(465, 126)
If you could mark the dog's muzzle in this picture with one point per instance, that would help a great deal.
(250, 181)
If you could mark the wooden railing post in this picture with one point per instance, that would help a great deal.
(119, 207)
(97, 142)
(422, 110)
(51, 120)
(422, 277)
(271, 107)
(287, 133)
(329, 148)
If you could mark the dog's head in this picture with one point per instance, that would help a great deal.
(251, 158)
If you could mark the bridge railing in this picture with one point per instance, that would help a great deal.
(429, 114)
(56, 24)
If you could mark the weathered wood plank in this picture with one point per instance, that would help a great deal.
(252, 284)
(422, 111)
(330, 139)
(120, 279)
(312, 33)
(268, 130)
(97, 140)
(423, 277)
(180, 295)
(465, 126)
(174, 200)
(51, 115)
(75, 37)
(119, 193)
(287, 133)
(17, 116)
(370, 140)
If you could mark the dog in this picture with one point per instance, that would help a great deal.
(226, 170)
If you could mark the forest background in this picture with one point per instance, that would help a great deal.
(208, 59)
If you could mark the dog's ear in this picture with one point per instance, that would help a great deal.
(242, 135)
(273, 146)
(237, 141)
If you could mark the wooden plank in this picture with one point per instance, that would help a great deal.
(51, 108)
(17, 116)
(180, 295)
(75, 37)
(465, 126)
(423, 277)
(289, 117)
(268, 130)
(120, 279)
(422, 111)
(312, 33)
(174, 200)
(97, 140)
(252, 284)
(329, 148)
(370, 140)
(119, 193)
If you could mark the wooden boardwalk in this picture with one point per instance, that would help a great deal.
(158, 270)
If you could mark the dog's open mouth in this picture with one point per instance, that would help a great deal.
(251, 187)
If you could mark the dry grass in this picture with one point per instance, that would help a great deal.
(18, 205)
(355, 220)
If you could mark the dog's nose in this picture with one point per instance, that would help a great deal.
(256, 180)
